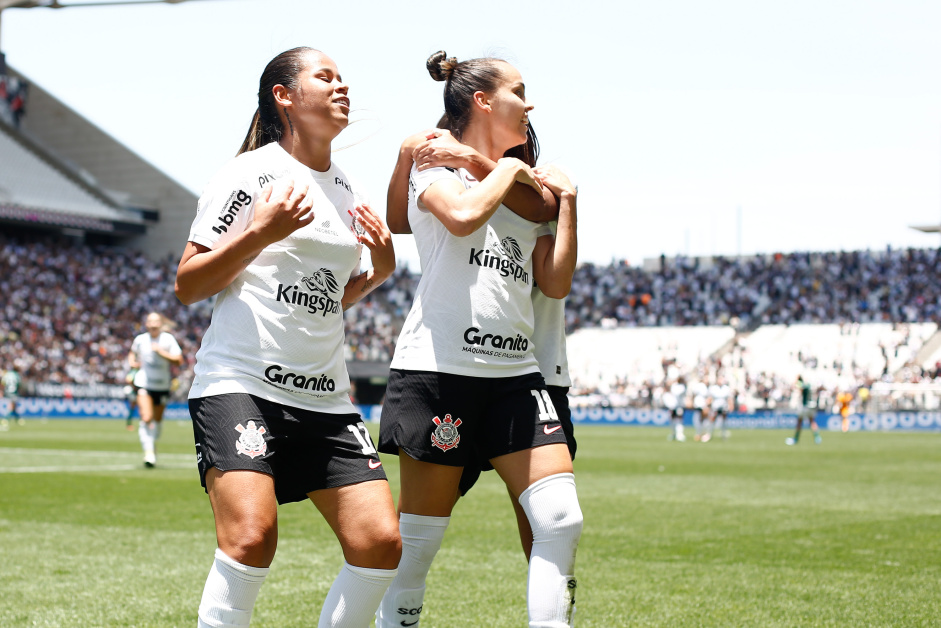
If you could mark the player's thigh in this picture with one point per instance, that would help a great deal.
(145, 404)
(246, 514)
(427, 488)
(363, 518)
(519, 470)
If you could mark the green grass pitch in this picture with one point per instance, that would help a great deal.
(744, 532)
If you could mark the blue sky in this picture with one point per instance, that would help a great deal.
(721, 127)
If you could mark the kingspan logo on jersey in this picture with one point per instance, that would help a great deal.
(504, 256)
(233, 204)
(298, 381)
(321, 284)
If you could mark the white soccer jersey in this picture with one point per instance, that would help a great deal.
(549, 336)
(154, 372)
(677, 395)
(720, 396)
(473, 310)
(277, 329)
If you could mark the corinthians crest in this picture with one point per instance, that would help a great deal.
(445, 436)
(251, 442)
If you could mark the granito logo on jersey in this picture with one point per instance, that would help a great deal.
(321, 285)
(233, 204)
(251, 442)
(445, 436)
(506, 258)
(316, 383)
(472, 337)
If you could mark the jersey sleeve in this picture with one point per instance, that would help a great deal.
(421, 181)
(224, 210)
(135, 346)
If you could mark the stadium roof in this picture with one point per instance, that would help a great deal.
(114, 191)
(37, 189)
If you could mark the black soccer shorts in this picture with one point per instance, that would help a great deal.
(303, 450)
(455, 420)
(560, 399)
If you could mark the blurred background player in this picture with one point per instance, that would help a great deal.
(699, 392)
(675, 400)
(845, 398)
(11, 381)
(152, 353)
(719, 399)
(807, 410)
(130, 392)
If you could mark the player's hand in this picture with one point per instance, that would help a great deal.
(556, 180)
(524, 174)
(440, 149)
(377, 238)
(282, 209)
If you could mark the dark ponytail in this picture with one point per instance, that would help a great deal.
(461, 80)
(266, 126)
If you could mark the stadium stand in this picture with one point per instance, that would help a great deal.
(92, 234)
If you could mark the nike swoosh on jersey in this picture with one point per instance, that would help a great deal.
(375, 464)
(550, 430)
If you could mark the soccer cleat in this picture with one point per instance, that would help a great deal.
(150, 460)
(705, 438)
(790, 441)
(817, 439)
(680, 438)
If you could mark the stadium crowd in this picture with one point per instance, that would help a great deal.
(69, 310)
(845, 287)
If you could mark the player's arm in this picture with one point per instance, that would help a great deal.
(554, 259)
(175, 357)
(439, 148)
(204, 272)
(397, 194)
(132, 359)
(462, 210)
(377, 238)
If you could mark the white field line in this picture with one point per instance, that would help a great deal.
(166, 461)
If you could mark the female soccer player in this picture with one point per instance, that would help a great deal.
(151, 354)
(465, 383)
(278, 238)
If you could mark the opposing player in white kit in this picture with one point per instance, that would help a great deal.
(151, 354)
(464, 382)
(278, 236)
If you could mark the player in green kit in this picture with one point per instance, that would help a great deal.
(807, 411)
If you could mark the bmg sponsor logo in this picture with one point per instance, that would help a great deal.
(233, 205)
(317, 298)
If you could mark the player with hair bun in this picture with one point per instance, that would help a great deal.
(465, 385)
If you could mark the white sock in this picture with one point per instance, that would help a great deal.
(146, 434)
(421, 540)
(551, 505)
(158, 430)
(230, 592)
(354, 596)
